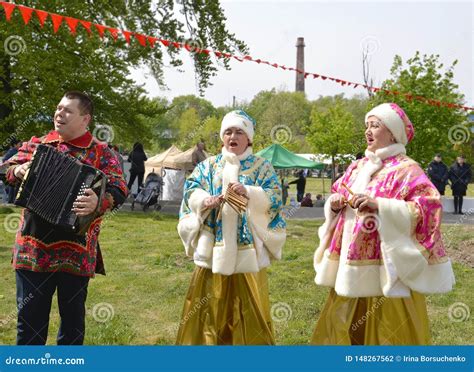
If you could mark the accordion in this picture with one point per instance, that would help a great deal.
(52, 184)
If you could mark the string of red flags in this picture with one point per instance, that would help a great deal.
(58, 20)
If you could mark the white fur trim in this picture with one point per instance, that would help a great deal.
(326, 270)
(204, 246)
(196, 201)
(374, 164)
(247, 261)
(325, 234)
(268, 242)
(391, 120)
(189, 226)
(188, 230)
(234, 120)
(224, 259)
(402, 255)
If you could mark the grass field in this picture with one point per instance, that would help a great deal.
(148, 276)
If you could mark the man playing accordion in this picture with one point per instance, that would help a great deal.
(46, 257)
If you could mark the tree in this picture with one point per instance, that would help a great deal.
(332, 132)
(437, 129)
(357, 107)
(38, 65)
(281, 118)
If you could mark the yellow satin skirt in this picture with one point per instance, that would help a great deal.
(226, 310)
(373, 321)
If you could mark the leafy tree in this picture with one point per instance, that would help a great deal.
(281, 118)
(44, 64)
(437, 129)
(332, 132)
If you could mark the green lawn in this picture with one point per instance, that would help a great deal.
(148, 275)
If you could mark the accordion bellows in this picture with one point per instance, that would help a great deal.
(52, 184)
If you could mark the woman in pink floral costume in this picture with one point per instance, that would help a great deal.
(380, 247)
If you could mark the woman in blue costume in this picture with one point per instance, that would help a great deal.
(227, 302)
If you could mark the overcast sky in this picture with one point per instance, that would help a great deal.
(333, 32)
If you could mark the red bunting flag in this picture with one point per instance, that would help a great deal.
(87, 26)
(142, 39)
(25, 13)
(57, 20)
(41, 16)
(9, 8)
(127, 35)
(101, 30)
(72, 24)
(113, 32)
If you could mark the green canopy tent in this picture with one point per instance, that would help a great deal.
(281, 158)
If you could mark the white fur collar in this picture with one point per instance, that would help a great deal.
(374, 164)
(232, 158)
(386, 152)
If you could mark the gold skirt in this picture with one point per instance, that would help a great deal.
(226, 310)
(373, 321)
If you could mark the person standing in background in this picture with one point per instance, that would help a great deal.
(460, 175)
(138, 158)
(438, 173)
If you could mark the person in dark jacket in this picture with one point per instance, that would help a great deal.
(438, 173)
(460, 175)
(138, 158)
(300, 186)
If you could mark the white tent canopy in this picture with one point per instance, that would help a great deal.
(172, 165)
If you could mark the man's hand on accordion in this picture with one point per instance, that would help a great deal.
(20, 170)
(86, 204)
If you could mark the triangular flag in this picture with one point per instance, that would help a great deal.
(127, 35)
(166, 43)
(42, 15)
(25, 13)
(9, 8)
(72, 23)
(101, 30)
(57, 20)
(141, 39)
(151, 40)
(113, 32)
(86, 25)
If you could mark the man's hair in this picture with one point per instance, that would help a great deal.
(85, 103)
